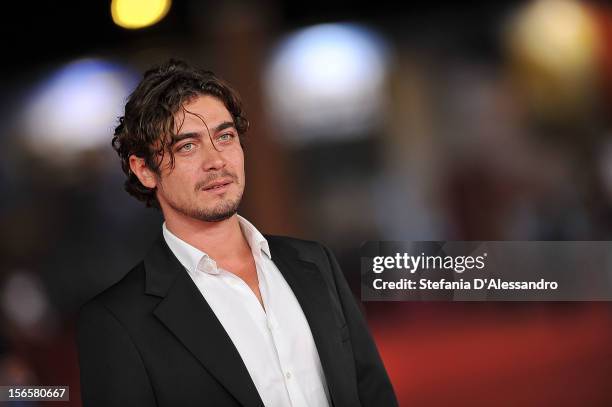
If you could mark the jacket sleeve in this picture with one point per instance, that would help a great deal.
(112, 371)
(373, 383)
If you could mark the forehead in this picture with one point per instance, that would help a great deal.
(203, 107)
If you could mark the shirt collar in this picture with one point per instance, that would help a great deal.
(193, 259)
(255, 239)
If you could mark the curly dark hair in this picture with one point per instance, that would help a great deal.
(148, 124)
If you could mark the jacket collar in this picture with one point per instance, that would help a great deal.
(161, 267)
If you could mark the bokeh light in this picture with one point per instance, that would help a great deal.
(77, 108)
(327, 81)
(24, 301)
(134, 14)
(554, 46)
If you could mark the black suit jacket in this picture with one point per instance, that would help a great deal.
(153, 340)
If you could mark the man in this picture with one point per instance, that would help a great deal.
(217, 314)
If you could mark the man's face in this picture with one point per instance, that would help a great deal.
(207, 180)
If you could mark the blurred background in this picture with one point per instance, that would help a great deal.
(370, 121)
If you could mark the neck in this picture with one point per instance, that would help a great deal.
(220, 240)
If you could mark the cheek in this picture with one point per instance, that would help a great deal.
(178, 179)
(240, 170)
(237, 163)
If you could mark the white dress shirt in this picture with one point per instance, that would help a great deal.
(275, 343)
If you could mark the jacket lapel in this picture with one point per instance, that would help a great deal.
(305, 279)
(186, 313)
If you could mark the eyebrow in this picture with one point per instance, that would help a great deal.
(195, 134)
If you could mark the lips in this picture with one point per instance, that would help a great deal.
(218, 184)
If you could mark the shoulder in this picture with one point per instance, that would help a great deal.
(124, 297)
(308, 250)
(292, 241)
(305, 248)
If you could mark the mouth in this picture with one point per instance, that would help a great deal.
(217, 186)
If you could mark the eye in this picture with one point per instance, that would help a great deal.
(226, 137)
(186, 147)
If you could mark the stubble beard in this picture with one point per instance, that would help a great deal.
(221, 211)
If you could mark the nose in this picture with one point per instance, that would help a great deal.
(212, 159)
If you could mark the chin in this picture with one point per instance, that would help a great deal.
(221, 217)
(217, 213)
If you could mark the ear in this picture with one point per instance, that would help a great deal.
(146, 176)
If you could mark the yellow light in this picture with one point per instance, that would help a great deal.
(558, 34)
(134, 14)
(553, 47)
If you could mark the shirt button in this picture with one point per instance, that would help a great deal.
(270, 326)
(288, 375)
